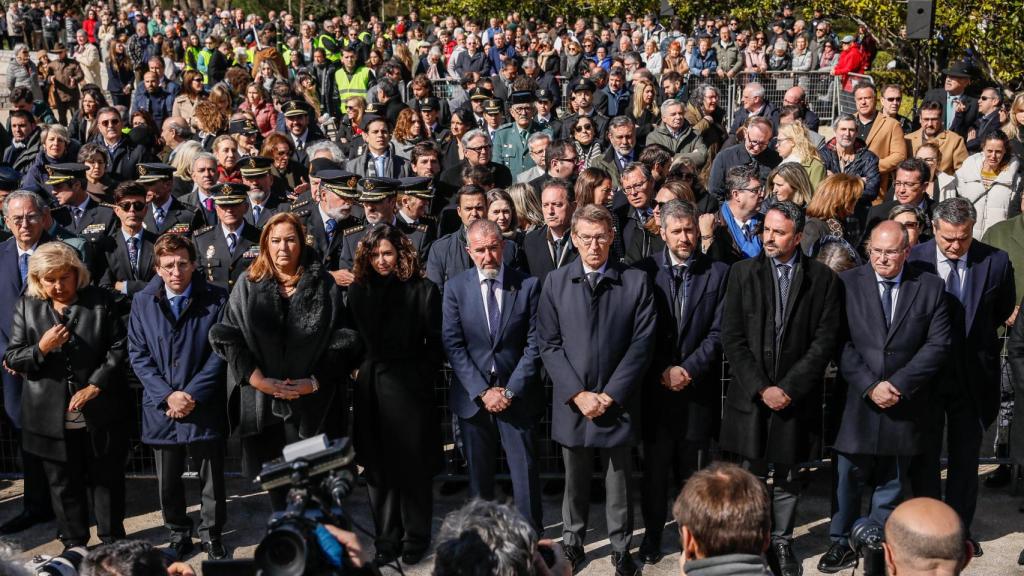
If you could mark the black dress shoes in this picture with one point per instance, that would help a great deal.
(624, 564)
(575, 556)
(839, 557)
(23, 521)
(411, 558)
(215, 550)
(181, 547)
(649, 553)
(787, 561)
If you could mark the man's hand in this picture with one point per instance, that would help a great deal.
(343, 277)
(494, 400)
(675, 378)
(590, 404)
(561, 566)
(180, 569)
(706, 223)
(1009, 321)
(775, 398)
(351, 543)
(180, 404)
(119, 285)
(885, 395)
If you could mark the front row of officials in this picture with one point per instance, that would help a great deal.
(616, 342)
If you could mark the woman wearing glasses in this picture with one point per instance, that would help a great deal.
(586, 142)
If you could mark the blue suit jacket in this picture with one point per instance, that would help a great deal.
(909, 354)
(514, 355)
(989, 297)
(599, 342)
(11, 289)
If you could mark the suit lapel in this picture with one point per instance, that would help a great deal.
(698, 282)
(509, 294)
(977, 273)
(909, 287)
(241, 245)
(145, 256)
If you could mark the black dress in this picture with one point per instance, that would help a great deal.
(397, 427)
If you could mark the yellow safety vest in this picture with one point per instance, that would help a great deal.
(354, 85)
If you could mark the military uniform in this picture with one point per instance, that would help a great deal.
(254, 167)
(175, 217)
(328, 246)
(96, 220)
(510, 140)
(377, 190)
(222, 266)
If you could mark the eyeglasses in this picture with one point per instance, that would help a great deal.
(571, 160)
(178, 266)
(601, 239)
(878, 252)
(480, 148)
(986, 98)
(756, 190)
(899, 184)
(136, 206)
(110, 123)
(894, 99)
(583, 127)
(633, 188)
(19, 221)
(911, 225)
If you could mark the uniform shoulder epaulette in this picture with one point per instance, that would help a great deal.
(422, 227)
(107, 205)
(302, 213)
(354, 229)
(203, 230)
(428, 218)
(296, 205)
(504, 126)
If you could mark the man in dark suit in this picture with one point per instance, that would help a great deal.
(204, 178)
(165, 213)
(980, 297)
(896, 339)
(754, 104)
(779, 330)
(226, 249)
(638, 188)
(25, 214)
(478, 147)
(379, 160)
(78, 212)
(263, 203)
(910, 189)
(128, 251)
(25, 145)
(737, 227)
(489, 333)
(550, 246)
(960, 111)
(989, 104)
(560, 159)
(682, 391)
(596, 326)
(329, 217)
(303, 133)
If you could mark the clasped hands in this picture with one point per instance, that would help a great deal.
(775, 398)
(675, 378)
(885, 395)
(179, 405)
(287, 389)
(591, 404)
(494, 400)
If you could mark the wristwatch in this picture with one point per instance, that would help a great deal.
(507, 393)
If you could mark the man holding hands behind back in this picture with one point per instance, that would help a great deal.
(596, 324)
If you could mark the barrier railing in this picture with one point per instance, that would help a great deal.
(844, 92)
(820, 90)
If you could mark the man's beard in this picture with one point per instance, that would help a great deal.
(489, 273)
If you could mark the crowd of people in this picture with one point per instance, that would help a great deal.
(278, 229)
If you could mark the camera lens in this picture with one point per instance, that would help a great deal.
(282, 553)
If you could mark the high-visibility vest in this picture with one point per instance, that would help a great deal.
(191, 58)
(286, 53)
(203, 63)
(354, 85)
(330, 46)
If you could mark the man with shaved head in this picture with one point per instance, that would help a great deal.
(898, 334)
(925, 536)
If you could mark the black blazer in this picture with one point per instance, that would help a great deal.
(94, 355)
(908, 354)
(989, 298)
(880, 212)
(695, 344)
(537, 252)
(118, 266)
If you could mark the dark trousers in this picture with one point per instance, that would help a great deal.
(579, 468)
(885, 476)
(81, 476)
(963, 434)
(37, 500)
(668, 462)
(785, 493)
(481, 435)
(261, 448)
(170, 465)
(403, 513)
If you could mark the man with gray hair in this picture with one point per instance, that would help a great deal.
(478, 147)
(754, 104)
(925, 536)
(623, 150)
(676, 134)
(980, 296)
(537, 145)
(848, 154)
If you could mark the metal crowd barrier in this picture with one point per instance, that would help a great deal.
(844, 98)
(820, 89)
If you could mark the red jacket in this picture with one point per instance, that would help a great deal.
(850, 60)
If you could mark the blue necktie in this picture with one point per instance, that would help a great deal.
(953, 280)
(23, 266)
(378, 163)
(176, 302)
(232, 240)
(493, 314)
(256, 214)
(329, 226)
(158, 216)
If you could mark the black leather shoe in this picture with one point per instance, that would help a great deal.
(21, 522)
(575, 556)
(978, 552)
(1001, 477)
(624, 564)
(839, 557)
(649, 553)
(384, 557)
(182, 547)
(787, 562)
(411, 558)
(215, 550)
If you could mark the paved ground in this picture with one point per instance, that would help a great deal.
(998, 526)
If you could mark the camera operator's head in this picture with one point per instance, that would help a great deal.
(722, 510)
(466, 555)
(124, 558)
(925, 536)
(509, 536)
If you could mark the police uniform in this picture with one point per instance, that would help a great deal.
(600, 120)
(510, 140)
(96, 220)
(423, 188)
(328, 246)
(553, 124)
(221, 266)
(177, 217)
(493, 107)
(257, 216)
(376, 190)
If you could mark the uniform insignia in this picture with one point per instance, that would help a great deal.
(368, 185)
(143, 170)
(211, 252)
(204, 230)
(353, 181)
(296, 205)
(252, 252)
(252, 163)
(421, 227)
(428, 218)
(94, 229)
(179, 228)
(302, 213)
(309, 239)
(354, 229)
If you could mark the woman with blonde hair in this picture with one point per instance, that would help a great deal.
(789, 182)
(644, 109)
(828, 209)
(528, 212)
(794, 146)
(1014, 126)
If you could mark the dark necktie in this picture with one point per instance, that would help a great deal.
(256, 214)
(493, 313)
(232, 240)
(158, 217)
(176, 302)
(887, 287)
(77, 214)
(593, 278)
(329, 226)
(784, 286)
(559, 248)
(23, 266)
(953, 280)
(133, 253)
(679, 285)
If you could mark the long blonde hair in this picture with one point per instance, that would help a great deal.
(801, 144)
(639, 85)
(1012, 128)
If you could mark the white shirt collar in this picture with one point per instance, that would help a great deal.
(238, 232)
(126, 236)
(897, 278)
(166, 206)
(588, 269)
(499, 279)
(29, 251)
(941, 258)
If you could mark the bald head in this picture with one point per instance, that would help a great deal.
(794, 96)
(924, 535)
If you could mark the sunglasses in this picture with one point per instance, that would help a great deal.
(586, 127)
(134, 206)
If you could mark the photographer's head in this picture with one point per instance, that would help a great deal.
(124, 558)
(925, 536)
(723, 509)
(504, 531)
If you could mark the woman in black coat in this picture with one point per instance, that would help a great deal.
(398, 314)
(68, 342)
(284, 340)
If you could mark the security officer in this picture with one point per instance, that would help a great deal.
(226, 249)
(477, 97)
(494, 116)
(546, 115)
(78, 212)
(247, 136)
(166, 213)
(263, 203)
(378, 200)
(510, 139)
(415, 194)
(328, 219)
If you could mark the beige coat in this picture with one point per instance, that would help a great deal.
(886, 141)
(951, 146)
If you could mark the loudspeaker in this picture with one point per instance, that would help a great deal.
(920, 19)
